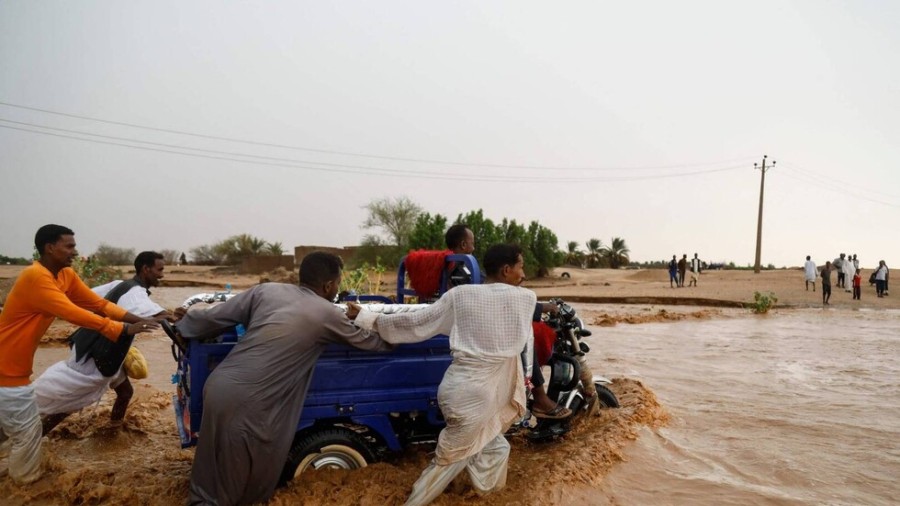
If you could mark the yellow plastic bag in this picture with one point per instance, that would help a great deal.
(135, 364)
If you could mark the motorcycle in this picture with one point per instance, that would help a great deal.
(571, 383)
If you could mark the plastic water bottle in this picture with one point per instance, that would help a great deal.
(227, 287)
(240, 330)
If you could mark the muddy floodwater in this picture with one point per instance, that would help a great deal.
(718, 407)
(797, 407)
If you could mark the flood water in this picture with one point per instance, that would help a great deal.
(795, 407)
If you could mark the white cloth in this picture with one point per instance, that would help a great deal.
(695, 265)
(135, 301)
(483, 389)
(20, 423)
(809, 270)
(487, 472)
(69, 385)
(881, 273)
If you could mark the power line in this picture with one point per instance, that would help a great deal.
(362, 155)
(841, 184)
(261, 157)
(842, 191)
(383, 171)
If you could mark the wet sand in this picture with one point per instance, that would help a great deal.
(89, 463)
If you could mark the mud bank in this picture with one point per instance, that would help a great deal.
(141, 463)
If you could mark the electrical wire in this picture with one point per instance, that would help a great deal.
(363, 170)
(363, 155)
(842, 191)
(228, 153)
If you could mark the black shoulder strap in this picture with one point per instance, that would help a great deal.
(85, 339)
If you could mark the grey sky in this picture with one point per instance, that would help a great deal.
(597, 93)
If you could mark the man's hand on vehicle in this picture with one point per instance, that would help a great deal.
(146, 325)
(353, 309)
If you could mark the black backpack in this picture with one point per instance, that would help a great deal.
(108, 355)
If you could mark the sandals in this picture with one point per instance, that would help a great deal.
(557, 413)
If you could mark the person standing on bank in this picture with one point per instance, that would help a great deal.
(880, 276)
(826, 283)
(75, 383)
(857, 284)
(673, 272)
(695, 270)
(682, 268)
(45, 290)
(809, 271)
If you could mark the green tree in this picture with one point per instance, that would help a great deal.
(111, 255)
(573, 255)
(274, 249)
(594, 253)
(616, 254)
(544, 248)
(208, 254)
(428, 232)
(396, 218)
(238, 247)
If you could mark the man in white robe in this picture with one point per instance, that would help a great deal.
(483, 390)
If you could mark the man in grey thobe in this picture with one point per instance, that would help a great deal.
(253, 399)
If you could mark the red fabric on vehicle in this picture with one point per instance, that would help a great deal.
(544, 337)
(424, 268)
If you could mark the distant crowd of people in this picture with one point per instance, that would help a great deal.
(678, 269)
(847, 270)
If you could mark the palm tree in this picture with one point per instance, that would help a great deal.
(274, 249)
(617, 253)
(574, 256)
(594, 248)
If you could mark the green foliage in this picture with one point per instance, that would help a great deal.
(363, 279)
(616, 254)
(428, 232)
(396, 218)
(594, 256)
(14, 260)
(207, 254)
(763, 302)
(94, 273)
(573, 256)
(233, 250)
(274, 249)
(111, 255)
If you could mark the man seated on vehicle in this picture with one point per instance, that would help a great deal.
(461, 241)
(75, 383)
(253, 399)
(481, 393)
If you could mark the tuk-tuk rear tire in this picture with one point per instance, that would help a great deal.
(331, 448)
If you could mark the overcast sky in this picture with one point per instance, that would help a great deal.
(639, 120)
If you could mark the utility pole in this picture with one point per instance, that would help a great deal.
(762, 186)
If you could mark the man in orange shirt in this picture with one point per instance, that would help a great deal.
(46, 290)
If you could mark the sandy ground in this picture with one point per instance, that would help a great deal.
(143, 463)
